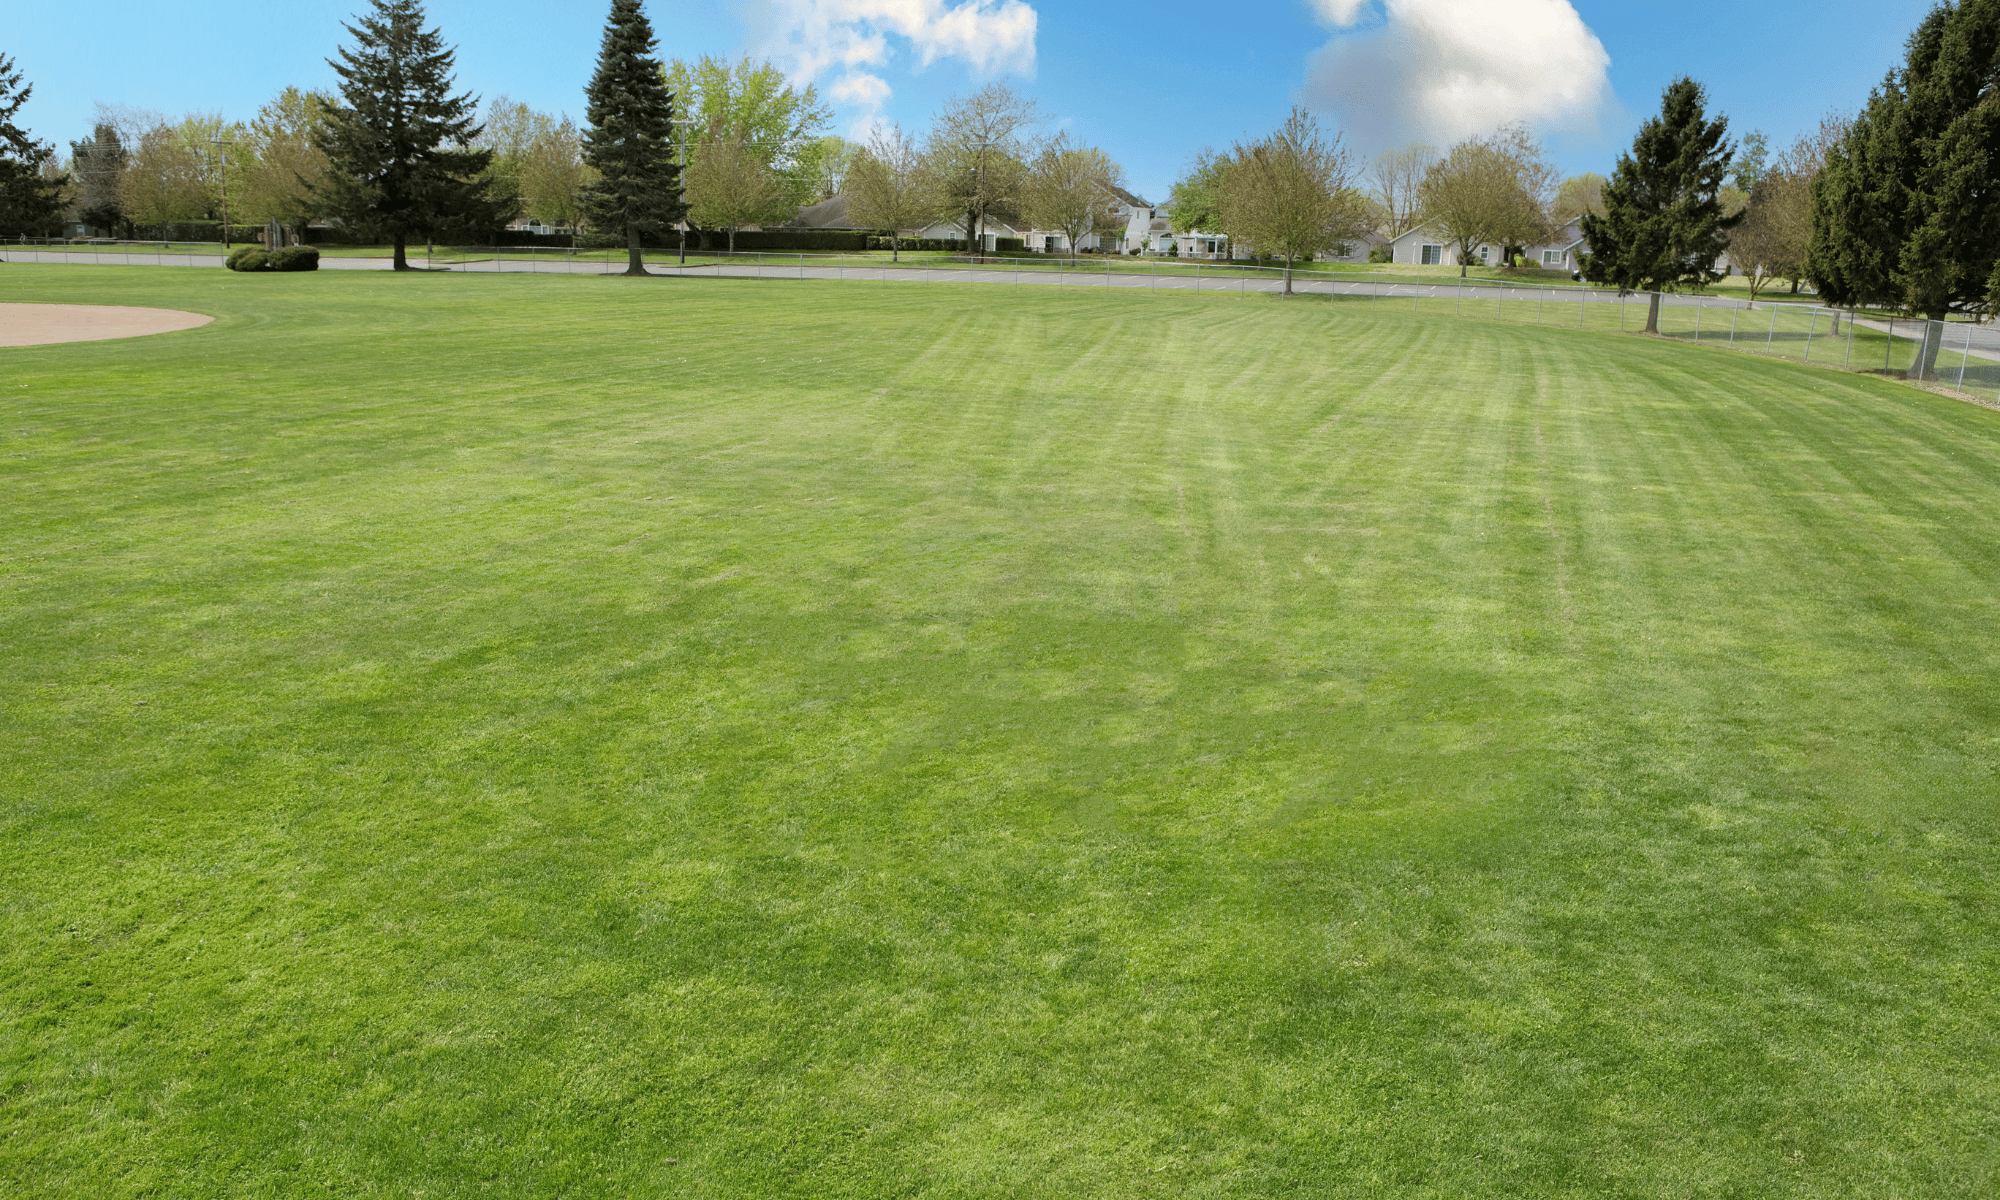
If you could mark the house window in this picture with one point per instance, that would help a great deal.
(1552, 258)
(1433, 255)
(1053, 242)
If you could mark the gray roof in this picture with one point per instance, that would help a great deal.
(827, 214)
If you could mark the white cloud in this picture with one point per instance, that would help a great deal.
(859, 87)
(811, 37)
(1442, 70)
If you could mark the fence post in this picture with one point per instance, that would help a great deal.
(1541, 303)
(1849, 360)
(1964, 356)
(1458, 303)
(1698, 306)
(1889, 351)
(1769, 337)
(1734, 312)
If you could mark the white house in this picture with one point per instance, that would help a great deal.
(1426, 246)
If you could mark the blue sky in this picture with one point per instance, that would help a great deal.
(1152, 82)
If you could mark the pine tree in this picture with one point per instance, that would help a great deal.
(631, 136)
(29, 203)
(99, 167)
(1663, 218)
(398, 148)
(1906, 214)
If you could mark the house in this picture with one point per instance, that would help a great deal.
(830, 213)
(1426, 246)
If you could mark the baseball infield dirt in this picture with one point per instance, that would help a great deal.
(41, 324)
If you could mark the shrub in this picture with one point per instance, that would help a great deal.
(1001, 244)
(1381, 253)
(882, 243)
(295, 258)
(249, 258)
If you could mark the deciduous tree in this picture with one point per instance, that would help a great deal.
(399, 144)
(1191, 207)
(1493, 191)
(1663, 221)
(1069, 187)
(1291, 194)
(889, 188)
(975, 155)
(730, 187)
(554, 177)
(163, 181)
(630, 138)
(753, 107)
(285, 168)
(1580, 194)
(1397, 178)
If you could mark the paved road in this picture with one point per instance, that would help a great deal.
(1982, 340)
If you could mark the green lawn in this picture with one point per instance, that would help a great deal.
(577, 736)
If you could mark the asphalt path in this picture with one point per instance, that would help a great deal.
(1982, 341)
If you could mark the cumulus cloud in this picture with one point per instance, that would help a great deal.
(1442, 70)
(809, 38)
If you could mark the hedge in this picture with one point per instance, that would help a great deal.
(911, 243)
(198, 231)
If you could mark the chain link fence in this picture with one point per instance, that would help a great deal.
(1959, 356)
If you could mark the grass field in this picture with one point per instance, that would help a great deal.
(590, 737)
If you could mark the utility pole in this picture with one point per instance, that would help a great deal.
(682, 125)
(222, 157)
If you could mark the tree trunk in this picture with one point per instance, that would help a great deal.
(401, 262)
(1653, 313)
(895, 254)
(1925, 367)
(635, 259)
(732, 239)
(1288, 274)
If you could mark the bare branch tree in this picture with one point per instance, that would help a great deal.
(1069, 188)
(1580, 194)
(1291, 194)
(1490, 191)
(1398, 177)
(889, 188)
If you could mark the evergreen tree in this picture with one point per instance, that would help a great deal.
(398, 148)
(99, 166)
(631, 136)
(1906, 214)
(29, 203)
(1663, 217)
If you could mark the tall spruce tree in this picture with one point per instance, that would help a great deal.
(1906, 214)
(398, 149)
(99, 167)
(1663, 217)
(29, 202)
(631, 136)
